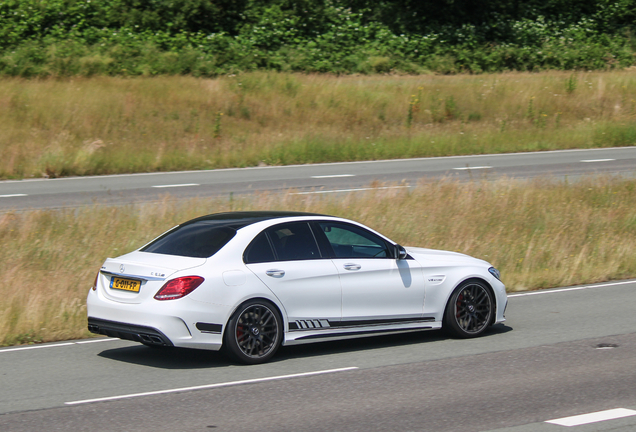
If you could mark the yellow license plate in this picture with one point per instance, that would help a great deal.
(125, 284)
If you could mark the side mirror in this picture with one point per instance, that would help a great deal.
(400, 252)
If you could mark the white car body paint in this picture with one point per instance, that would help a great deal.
(318, 299)
(444, 270)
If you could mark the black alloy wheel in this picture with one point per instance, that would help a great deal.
(254, 332)
(469, 310)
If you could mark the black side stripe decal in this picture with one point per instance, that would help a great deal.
(322, 324)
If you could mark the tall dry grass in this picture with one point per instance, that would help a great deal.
(107, 125)
(538, 233)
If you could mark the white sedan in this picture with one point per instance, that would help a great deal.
(248, 282)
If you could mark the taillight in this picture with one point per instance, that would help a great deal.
(94, 287)
(179, 287)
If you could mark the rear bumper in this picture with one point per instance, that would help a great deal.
(179, 323)
(136, 333)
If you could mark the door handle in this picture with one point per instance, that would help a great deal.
(275, 273)
(352, 267)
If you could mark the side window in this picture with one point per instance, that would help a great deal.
(259, 251)
(293, 241)
(350, 241)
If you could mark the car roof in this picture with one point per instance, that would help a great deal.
(241, 219)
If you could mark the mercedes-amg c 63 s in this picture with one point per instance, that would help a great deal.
(249, 282)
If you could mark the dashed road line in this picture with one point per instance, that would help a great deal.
(348, 190)
(332, 176)
(176, 185)
(594, 417)
(211, 386)
(597, 160)
(472, 168)
(13, 195)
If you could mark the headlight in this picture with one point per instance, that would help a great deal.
(493, 271)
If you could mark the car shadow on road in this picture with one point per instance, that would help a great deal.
(374, 342)
(167, 358)
(184, 358)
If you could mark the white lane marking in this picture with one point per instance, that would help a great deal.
(593, 417)
(177, 185)
(382, 161)
(97, 340)
(211, 386)
(32, 347)
(570, 289)
(348, 190)
(332, 176)
(472, 168)
(597, 160)
(13, 195)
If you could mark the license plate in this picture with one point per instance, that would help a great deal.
(125, 284)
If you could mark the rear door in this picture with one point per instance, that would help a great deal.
(288, 260)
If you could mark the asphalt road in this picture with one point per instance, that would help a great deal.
(561, 353)
(318, 178)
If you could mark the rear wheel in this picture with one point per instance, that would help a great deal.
(469, 310)
(254, 332)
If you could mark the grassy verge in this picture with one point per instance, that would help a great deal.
(102, 125)
(539, 234)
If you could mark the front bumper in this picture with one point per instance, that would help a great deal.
(502, 300)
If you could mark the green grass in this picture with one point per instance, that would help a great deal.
(102, 125)
(539, 233)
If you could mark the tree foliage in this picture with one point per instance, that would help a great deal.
(208, 37)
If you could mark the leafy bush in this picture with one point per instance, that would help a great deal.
(208, 38)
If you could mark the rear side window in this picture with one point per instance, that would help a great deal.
(196, 240)
(259, 251)
(293, 241)
(285, 242)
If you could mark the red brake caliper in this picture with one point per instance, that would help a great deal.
(460, 298)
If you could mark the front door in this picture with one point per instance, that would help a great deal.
(376, 287)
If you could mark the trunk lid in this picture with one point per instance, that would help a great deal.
(137, 276)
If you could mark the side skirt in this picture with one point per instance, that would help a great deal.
(349, 332)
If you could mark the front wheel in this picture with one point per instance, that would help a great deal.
(254, 332)
(469, 310)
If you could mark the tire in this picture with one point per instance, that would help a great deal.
(254, 332)
(469, 310)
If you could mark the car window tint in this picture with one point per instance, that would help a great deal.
(294, 241)
(196, 240)
(349, 241)
(259, 250)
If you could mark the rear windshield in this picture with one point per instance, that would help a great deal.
(196, 240)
